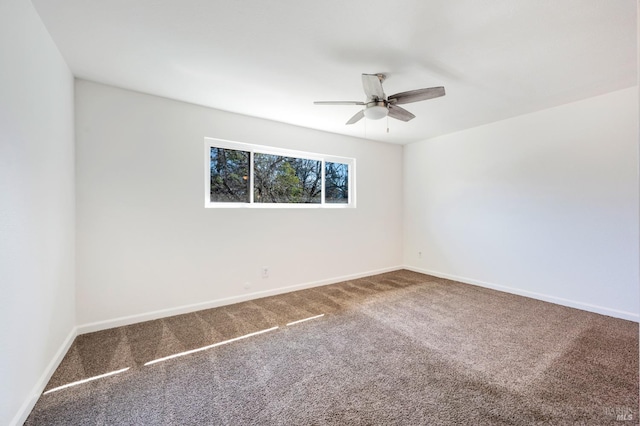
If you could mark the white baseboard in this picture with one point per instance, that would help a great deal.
(185, 309)
(30, 402)
(539, 296)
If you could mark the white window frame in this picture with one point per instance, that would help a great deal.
(262, 149)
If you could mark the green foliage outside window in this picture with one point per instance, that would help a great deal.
(229, 175)
(336, 182)
(281, 179)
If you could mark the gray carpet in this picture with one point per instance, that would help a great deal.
(397, 348)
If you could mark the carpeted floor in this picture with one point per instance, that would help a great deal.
(397, 348)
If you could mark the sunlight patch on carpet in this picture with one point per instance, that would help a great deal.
(79, 382)
(204, 348)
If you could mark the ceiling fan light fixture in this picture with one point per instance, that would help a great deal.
(376, 112)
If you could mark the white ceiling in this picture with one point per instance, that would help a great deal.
(272, 59)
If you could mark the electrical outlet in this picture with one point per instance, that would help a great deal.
(265, 272)
(247, 285)
(419, 255)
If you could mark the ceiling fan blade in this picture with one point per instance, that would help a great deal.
(359, 116)
(338, 103)
(372, 85)
(417, 95)
(400, 113)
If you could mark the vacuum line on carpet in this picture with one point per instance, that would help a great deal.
(79, 382)
(204, 348)
(305, 319)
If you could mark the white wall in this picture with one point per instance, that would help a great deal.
(146, 243)
(544, 204)
(37, 292)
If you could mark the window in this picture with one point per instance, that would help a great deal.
(336, 182)
(280, 179)
(244, 175)
(229, 175)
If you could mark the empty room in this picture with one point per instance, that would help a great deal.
(296, 212)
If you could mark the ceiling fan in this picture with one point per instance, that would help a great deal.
(378, 105)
